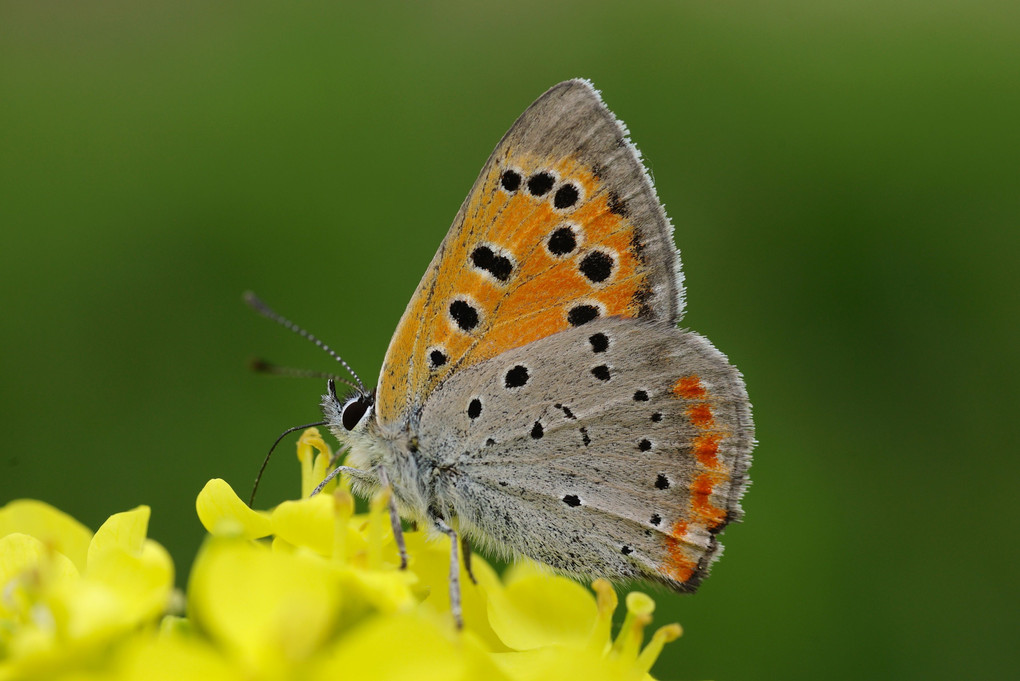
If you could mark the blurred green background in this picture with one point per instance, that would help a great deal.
(845, 182)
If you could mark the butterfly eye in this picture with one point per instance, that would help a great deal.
(354, 411)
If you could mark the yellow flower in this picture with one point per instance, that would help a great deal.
(338, 573)
(308, 589)
(557, 629)
(67, 597)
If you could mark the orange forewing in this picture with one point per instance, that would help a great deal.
(534, 302)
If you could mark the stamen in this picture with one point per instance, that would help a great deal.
(606, 599)
(343, 502)
(639, 615)
(661, 637)
(314, 455)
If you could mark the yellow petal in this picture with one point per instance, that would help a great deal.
(306, 522)
(65, 618)
(430, 560)
(269, 609)
(172, 658)
(479, 658)
(555, 663)
(54, 528)
(385, 591)
(537, 608)
(28, 567)
(523, 569)
(221, 511)
(124, 531)
(87, 613)
(142, 581)
(409, 647)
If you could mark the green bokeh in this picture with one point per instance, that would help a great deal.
(845, 182)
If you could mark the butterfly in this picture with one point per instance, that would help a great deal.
(537, 397)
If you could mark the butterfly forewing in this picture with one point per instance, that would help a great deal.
(561, 228)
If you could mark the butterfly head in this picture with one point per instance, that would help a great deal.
(348, 414)
(352, 420)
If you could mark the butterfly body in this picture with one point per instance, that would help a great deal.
(537, 395)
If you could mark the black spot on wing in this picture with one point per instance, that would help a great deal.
(498, 266)
(464, 315)
(516, 377)
(582, 314)
(510, 180)
(539, 184)
(537, 431)
(596, 267)
(566, 196)
(562, 241)
(599, 342)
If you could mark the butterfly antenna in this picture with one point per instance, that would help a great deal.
(264, 366)
(265, 462)
(255, 303)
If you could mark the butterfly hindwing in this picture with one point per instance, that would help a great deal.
(562, 227)
(623, 450)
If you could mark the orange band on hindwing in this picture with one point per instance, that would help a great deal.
(711, 472)
(689, 388)
(706, 447)
(681, 565)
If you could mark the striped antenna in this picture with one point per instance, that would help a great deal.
(264, 366)
(255, 303)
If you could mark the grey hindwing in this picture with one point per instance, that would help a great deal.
(576, 451)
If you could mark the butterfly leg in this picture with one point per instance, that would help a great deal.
(353, 472)
(465, 548)
(398, 530)
(455, 606)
